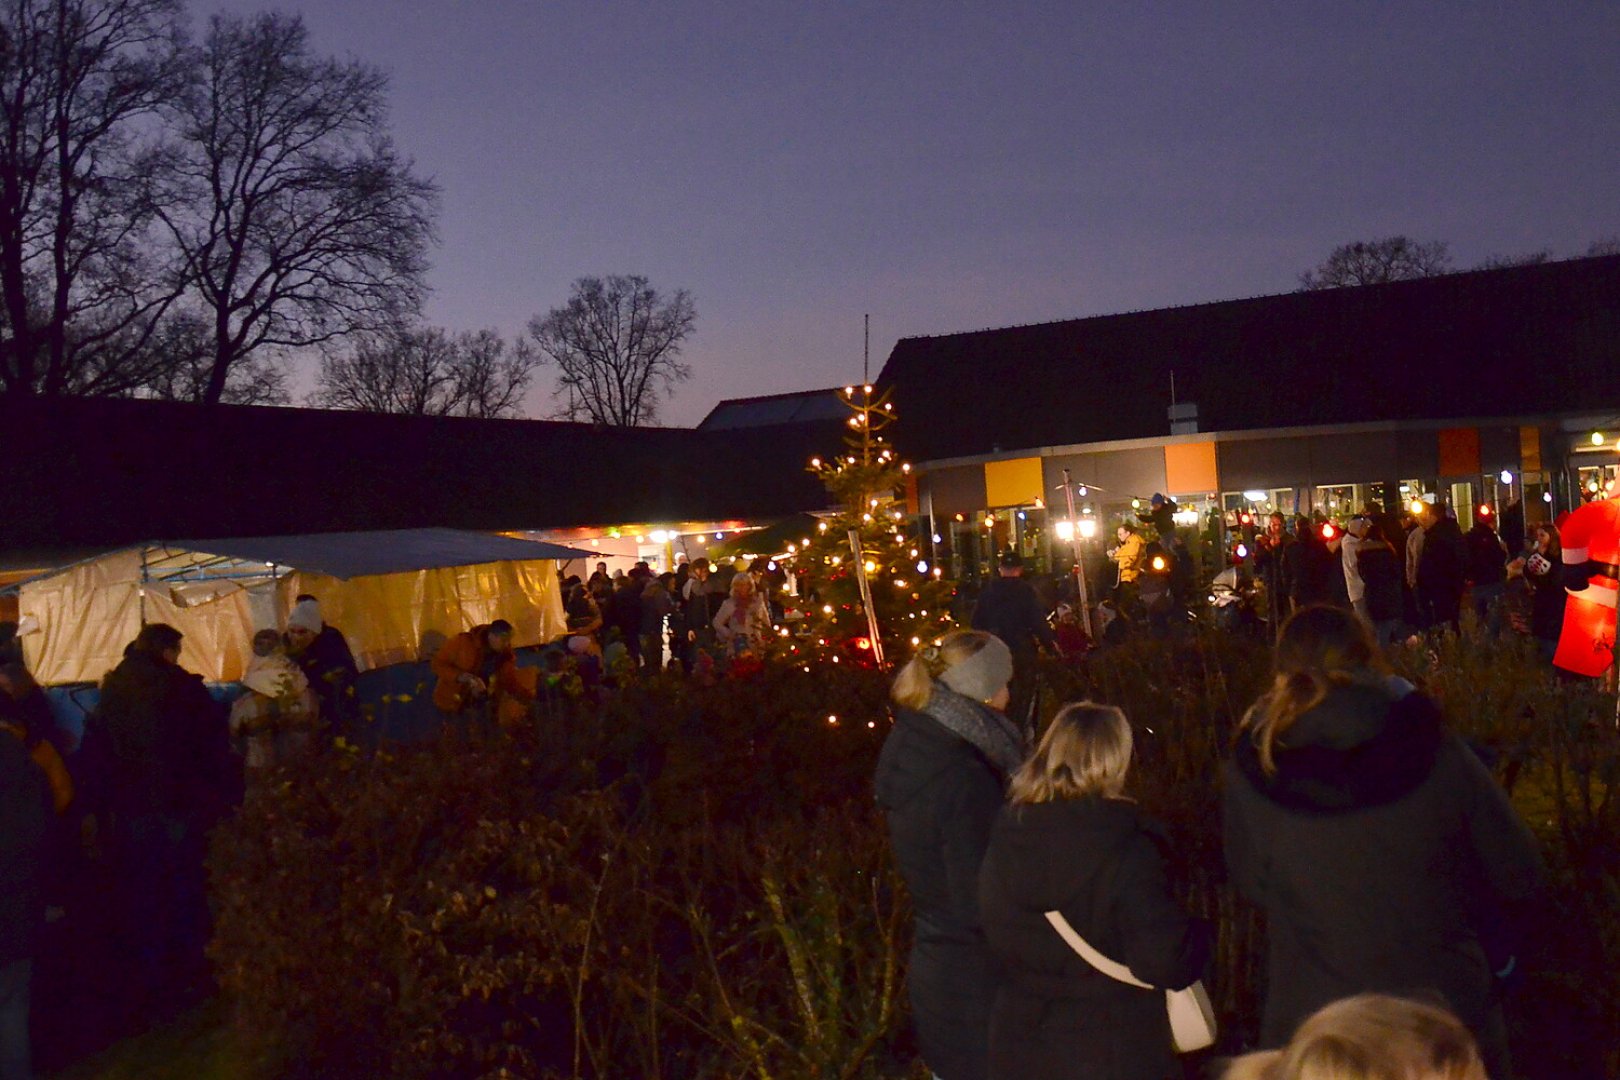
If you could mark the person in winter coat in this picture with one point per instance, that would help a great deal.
(743, 620)
(1070, 841)
(939, 782)
(657, 605)
(1347, 546)
(24, 817)
(1383, 853)
(1441, 570)
(1308, 566)
(1487, 570)
(322, 653)
(27, 716)
(1009, 608)
(623, 614)
(275, 719)
(1161, 514)
(1370, 1037)
(1271, 567)
(1128, 562)
(478, 666)
(1381, 571)
(1543, 568)
(169, 780)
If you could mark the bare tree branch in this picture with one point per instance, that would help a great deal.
(301, 224)
(1503, 262)
(1373, 262)
(82, 285)
(616, 344)
(425, 371)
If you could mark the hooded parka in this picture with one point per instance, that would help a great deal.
(1386, 859)
(1101, 864)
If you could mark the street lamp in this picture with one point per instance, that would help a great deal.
(1079, 561)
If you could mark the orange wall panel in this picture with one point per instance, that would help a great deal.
(1459, 452)
(1189, 468)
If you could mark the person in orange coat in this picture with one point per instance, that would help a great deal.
(478, 665)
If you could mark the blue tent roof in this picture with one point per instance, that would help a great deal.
(364, 554)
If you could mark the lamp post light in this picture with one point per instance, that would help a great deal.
(1074, 538)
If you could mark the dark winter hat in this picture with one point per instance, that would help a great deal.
(1157, 500)
(1010, 558)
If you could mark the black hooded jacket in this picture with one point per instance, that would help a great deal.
(1101, 864)
(1385, 856)
(941, 795)
(163, 739)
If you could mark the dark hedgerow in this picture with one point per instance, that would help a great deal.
(692, 881)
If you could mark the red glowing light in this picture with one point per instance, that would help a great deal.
(863, 643)
(1328, 532)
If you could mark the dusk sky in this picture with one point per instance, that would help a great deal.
(952, 166)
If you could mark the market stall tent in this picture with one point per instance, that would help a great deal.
(394, 594)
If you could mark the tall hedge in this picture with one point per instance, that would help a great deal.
(692, 881)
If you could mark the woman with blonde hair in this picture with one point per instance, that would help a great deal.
(1370, 1037)
(1385, 856)
(939, 782)
(743, 620)
(1069, 841)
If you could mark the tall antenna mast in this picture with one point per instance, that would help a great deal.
(866, 347)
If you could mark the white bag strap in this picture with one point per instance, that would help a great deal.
(1091, 956)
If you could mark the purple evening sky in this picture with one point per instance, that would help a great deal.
(951, 166)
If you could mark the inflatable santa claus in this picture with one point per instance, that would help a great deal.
(1591, 541)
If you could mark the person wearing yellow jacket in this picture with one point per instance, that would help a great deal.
(1128, 558)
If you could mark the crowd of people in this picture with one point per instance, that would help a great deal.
(110, 831)
(696, 615)
(1408, 573)
(1386, 859)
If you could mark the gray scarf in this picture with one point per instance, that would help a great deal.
(995, 736)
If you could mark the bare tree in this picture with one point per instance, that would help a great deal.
(82, 287)
(1503, 262)
(425, 371)
(301, 223)
(492, 375)
(185, 343)
(1607, 245)
(616, 344)
(1373, 262)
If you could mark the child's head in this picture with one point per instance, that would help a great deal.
(1370, 1037)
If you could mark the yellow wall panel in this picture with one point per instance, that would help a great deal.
(1530, 449)
(1013, 483)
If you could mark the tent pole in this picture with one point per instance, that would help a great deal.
(142, 589)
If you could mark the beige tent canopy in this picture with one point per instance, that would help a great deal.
(393, 594)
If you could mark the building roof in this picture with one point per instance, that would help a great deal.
(1508, 342)
(107, 472)
(804, 406)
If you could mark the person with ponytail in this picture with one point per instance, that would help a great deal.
(940, 782)
(1386, 857)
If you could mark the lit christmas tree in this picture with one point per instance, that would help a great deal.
(909, 603)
